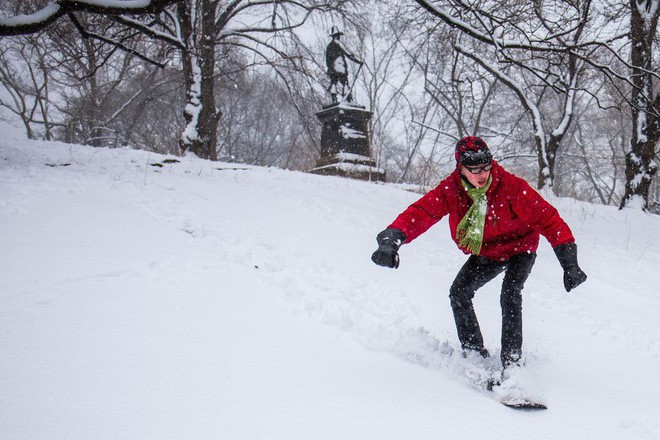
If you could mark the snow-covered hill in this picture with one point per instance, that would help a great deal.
(199, 300)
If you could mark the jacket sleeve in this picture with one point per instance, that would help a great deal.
(540, 215)
(422, 214)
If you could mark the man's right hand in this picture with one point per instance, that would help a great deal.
(389, 242)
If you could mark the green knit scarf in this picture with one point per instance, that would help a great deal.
(470, 231)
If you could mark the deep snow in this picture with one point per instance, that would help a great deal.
(203, 300)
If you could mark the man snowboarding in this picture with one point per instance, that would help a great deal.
(497, 219)
(335, 60)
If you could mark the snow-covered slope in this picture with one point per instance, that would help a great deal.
(202, 300)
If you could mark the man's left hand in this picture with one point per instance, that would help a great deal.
(573, 277)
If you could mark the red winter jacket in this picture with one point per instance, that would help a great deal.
(516, 215)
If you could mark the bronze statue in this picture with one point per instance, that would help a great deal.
(335, 59)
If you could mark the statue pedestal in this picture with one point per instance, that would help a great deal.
(345, 146)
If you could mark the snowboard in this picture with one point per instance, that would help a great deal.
(516, 395)
(523, 404)
(485, 376)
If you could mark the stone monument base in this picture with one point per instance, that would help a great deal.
(345, 149)
(350, 165)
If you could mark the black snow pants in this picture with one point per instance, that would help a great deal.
(474, 274)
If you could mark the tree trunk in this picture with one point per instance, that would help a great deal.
(640, 167)
(547, 169)
(91, 117)
(200, 112)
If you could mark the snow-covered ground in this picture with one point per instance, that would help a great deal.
(201, 300)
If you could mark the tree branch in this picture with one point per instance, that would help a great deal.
(116, 44)
(56, 9)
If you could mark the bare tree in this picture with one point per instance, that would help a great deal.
(256, 132)
(572, 36)
(75, 66)
(24, 74)
(645, 104)
(530, 47)
(198, 27)
(195, 29)
(388, 80)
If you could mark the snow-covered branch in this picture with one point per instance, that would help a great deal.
(151, 31)
(529, 105)
(42, 18)
(536, 45)
(551, 42)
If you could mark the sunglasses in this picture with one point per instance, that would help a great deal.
(479, 170)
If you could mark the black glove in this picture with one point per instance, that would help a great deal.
(389, 242)
(567, 256)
